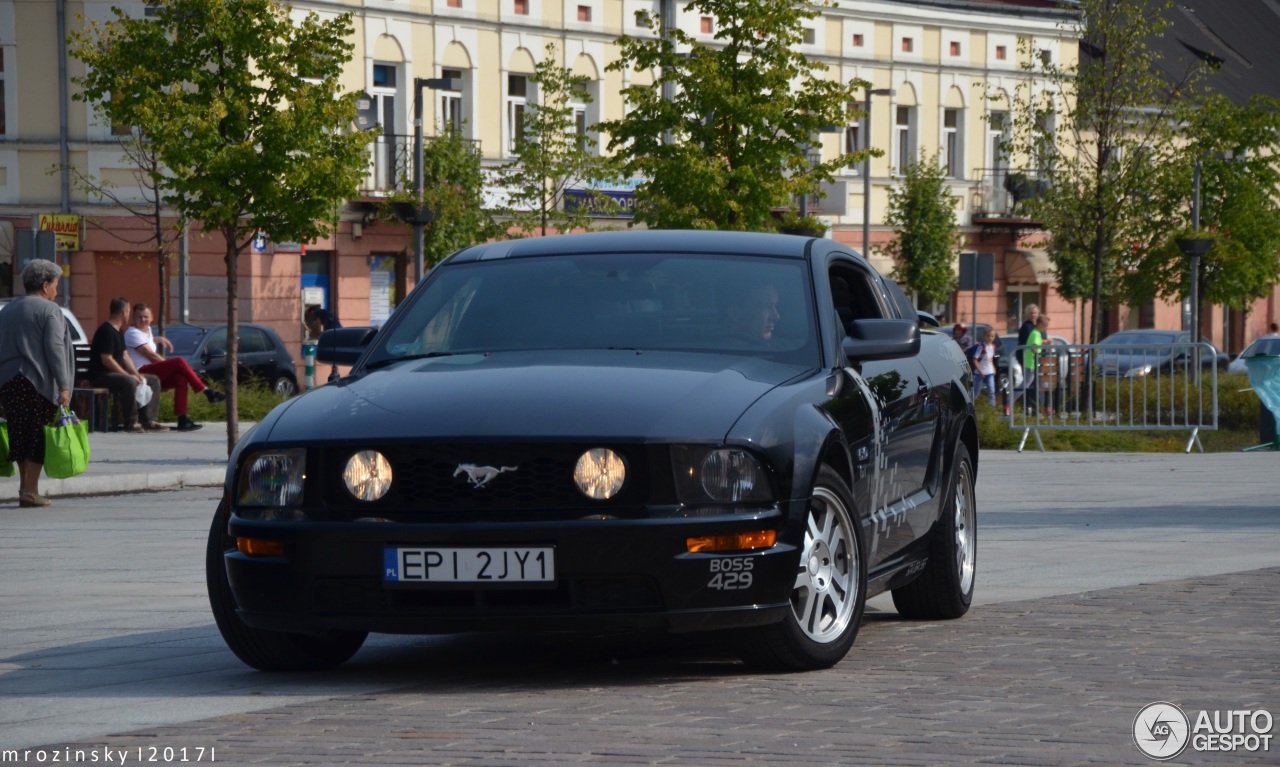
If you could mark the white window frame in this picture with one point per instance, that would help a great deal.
(953, 143)
(517, 108)
(853, 138)
(451, 102)
(904, 138)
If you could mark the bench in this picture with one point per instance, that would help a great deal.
(92, 405)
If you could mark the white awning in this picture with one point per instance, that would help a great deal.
(1028, 267)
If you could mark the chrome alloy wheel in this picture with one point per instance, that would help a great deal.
(966, 527)
(826, 590)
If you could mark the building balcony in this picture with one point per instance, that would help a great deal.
(1001, 194)
(391, 164)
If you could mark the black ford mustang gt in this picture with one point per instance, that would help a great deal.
(676, 431)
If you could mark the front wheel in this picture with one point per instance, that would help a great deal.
(945, 587)
(829, 595)
(266, 650)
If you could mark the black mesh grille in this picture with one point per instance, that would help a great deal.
(538, 478)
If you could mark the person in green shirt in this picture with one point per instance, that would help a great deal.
(1030, 356)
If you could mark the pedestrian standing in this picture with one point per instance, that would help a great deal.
(1024, 332)
(37, 361)
(984, 366)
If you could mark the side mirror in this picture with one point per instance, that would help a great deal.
(343, 346)
(881, 340)
(214, 354)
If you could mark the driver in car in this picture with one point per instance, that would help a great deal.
(751, 315)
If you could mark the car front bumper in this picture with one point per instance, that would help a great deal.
(610, 575)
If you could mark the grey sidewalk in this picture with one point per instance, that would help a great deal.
(123, 463)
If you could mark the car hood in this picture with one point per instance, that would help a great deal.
(606, 395)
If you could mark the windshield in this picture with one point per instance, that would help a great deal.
(661, 301)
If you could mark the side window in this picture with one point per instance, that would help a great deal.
(217, 342)
(856, 295)
(906, 311)
(252, 340)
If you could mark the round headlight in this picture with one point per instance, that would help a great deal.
(368, 475)
(733, 475)
(600, 473)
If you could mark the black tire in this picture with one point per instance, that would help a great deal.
(266, 650)
(944, 589)
(284, 386)
(830, 591)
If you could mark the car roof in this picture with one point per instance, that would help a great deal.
(1146, 332)
(669, 240)
(77, 329)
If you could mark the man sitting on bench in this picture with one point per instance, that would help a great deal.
(174, 373)
(110, 368)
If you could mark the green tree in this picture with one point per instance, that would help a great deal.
(550, 157)
(452, 187)
(244, 109)
(1101, 133)
(1237, 147)
(923, 213)
(726, 143)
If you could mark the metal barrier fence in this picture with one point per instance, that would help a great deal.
(1138, 387)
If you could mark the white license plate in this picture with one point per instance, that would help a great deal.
(469, 565)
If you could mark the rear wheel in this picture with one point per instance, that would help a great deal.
(829, 595)
(945, 586)
(266, 650)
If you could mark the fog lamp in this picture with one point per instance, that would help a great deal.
(367, 475)
(600, 473)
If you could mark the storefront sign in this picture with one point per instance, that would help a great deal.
(65, 228)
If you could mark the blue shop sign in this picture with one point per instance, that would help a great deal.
(623, 199)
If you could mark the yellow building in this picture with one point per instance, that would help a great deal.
(947, 63)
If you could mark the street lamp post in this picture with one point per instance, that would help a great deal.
(1194, 249)
(866, 166)
(419, 215)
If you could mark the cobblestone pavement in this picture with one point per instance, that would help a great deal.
(1054, 681)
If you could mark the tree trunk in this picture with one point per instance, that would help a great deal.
(233, 338)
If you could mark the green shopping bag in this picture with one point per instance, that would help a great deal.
(66, 446)
(6, 466)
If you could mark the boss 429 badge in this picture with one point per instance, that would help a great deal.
(731, 574)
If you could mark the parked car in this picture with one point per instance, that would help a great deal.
(263, 356)
(1133, 353)
(78, 339)
(625, 431)
(1261, 346)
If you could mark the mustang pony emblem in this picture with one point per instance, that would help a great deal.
(479, 476)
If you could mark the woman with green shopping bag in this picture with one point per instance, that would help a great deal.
(36, 365)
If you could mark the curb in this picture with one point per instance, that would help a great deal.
(110, 484)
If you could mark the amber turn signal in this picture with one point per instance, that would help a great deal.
(757, 539)
(257, 547)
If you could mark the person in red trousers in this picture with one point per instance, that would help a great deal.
(174, 373)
